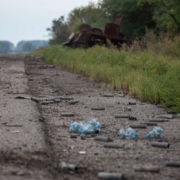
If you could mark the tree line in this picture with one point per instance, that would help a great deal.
(161, 16)
(7, 47)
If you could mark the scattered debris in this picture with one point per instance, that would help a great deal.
(108, 95)
(122, 116)
(82, 152)
(113, 145)
(132, 103)
(166, 116)
(139, 126)
(127, 108)
(66, 98)
(67, 114)
(35, 99)
(10, 125)
(128, 134)
(157, 132)
(22, 97)
(41, 100)
(160, 144)
(73, 102)
(154, 169)
(101, 138)
(157, 120)
(90, 127)
(73, 136)
(68, 167)
(121, 95)
(15, 132)
(98, 108)
(132, 118)
(149, 123)
(171, 112)
(47, 102)
(108, 175)
(173, 163)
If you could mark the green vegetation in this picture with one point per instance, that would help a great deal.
(151, 75)
(161, 16)
(148, 70)
(6, 47)
(28, 46)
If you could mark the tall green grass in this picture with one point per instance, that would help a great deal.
(151, 75)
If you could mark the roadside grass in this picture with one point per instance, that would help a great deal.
(152, 74)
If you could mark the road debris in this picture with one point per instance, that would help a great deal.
(98, 108)
(138, 126)
(149, 123)
(157, 132)
(68, 167)
(132, 118)
(108, 175)
(101, 138)
(14, 132)
(128, 134)
(122, 116)
(173, 163)
(73, 102)
(166, 116)
(82, 152)
(67, 114)
(90, 127)
(66, 98)
(158, 120)
(113, 145)
(132, 103)
(108, 95)
(153, 169)
(160, 144)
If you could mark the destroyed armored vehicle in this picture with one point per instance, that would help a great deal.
(90, 36)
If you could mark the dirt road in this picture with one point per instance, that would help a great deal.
(35, 136)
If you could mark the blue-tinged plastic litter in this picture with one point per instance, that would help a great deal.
(157, 132)
(88, 128)
(128, 134)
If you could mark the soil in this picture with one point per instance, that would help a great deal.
(35, 137)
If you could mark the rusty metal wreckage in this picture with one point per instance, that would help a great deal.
(91, 36)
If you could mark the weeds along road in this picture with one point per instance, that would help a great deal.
(35, 136)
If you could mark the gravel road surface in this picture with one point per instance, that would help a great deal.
(35, 136)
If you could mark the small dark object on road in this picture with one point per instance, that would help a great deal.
(107, 175)
(113, 145)
(101, 138)
(173, 163)
(138, 126)
(68, 167)
(132, 118)
(154, 169)
(98, 108)
(122, 116)
(132, 103)
(160, 144)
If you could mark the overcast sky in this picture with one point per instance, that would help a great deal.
(28, 19)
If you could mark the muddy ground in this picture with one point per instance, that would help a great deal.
(35, 137)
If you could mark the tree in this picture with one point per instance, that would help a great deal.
(91, 14)
(136, 17)
(5, 47)
(28, 47)
(166, 14)
(59, 31)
